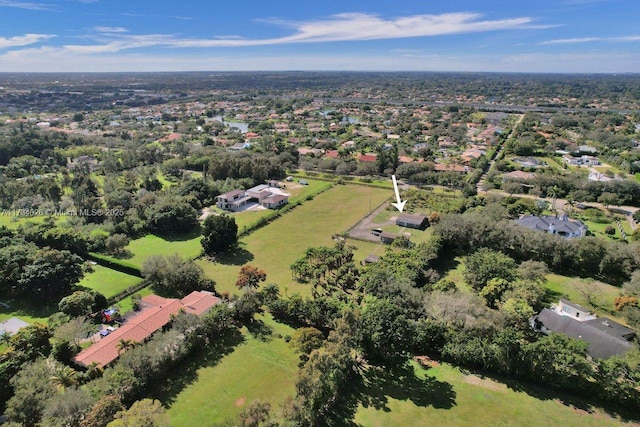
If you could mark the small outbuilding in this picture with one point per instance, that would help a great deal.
(388, 238)
(417, 221)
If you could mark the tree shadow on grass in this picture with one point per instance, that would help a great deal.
(551, 297)
(186, 373)
(237, 256)
(376, 386)
(259, 330)
(29, 309)
(577, 403)
(445, 264)
(181, 237)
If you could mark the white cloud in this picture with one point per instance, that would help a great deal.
(24, 40)
(105, 29)
(62, 60)
(343, 27)
(26, 5)
(592, 39)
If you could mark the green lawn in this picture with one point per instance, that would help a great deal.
(188, 246)
(217, 387)
(275, 247)
(126, 305)
(570, 287)
(30, 313)
(446, 396)
(297, 193)
(13, 221)
(107, 281)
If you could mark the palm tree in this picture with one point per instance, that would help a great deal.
(64, 377)
(125, 344)
(5, 337)
(94, 370)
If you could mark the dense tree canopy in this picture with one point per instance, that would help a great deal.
(219, 234)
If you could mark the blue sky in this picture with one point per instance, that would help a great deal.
(601, 36)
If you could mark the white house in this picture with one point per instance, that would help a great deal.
(582, 160)
(268, 196)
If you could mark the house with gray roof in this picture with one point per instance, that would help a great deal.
(605, 337)
(417, 221)
(562, 226)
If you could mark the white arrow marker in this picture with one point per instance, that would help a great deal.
(399, 204)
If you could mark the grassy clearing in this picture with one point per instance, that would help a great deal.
(275, 247)
(297, 193)
(107, 281)
(187, 245)
(574, 288)
(126, 305)
(217, 387)
(446, 396)
(30, 313)
(13, 221)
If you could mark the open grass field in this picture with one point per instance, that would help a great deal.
(446, 396)
(13, 221)
(216, 387)
(275, 247)
(187, 246)
(107, 281)
(570, 287)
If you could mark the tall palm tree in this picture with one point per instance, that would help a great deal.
(64, 377)
(125, 344)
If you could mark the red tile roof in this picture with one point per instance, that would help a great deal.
(370, 158)
(145, 324)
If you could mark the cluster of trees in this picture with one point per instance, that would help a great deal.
(575, 187)
(43, 391)
(243, 165)
(25, 139)
(174, 276)
(329, 270)
(610, 261)
(27, 270)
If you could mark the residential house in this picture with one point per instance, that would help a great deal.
(368, 158)
(158, 313)
(268, 196)
(562, 226)
(370, 259)
(582, 160)
(442, 167)
(233, 200)
(417, 221)
(518, 175)
(89, 162)
(605, 337)
(240, 146)
(472, 154)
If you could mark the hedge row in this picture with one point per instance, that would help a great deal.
(115, 264)
(129, 291)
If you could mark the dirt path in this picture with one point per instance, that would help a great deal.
(362, 230)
